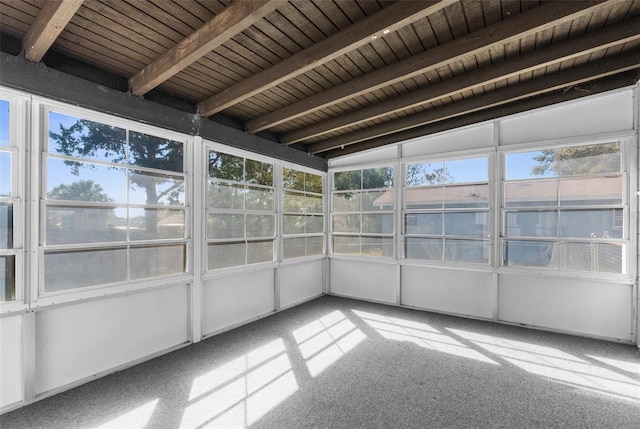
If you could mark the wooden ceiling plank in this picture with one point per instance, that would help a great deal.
(48, 25)
(589, 88)
(549, 83)
(512, 29)
(391, 18)
(215, 32)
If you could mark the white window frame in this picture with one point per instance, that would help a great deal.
(18, 146)
(282, 236)
(393, 164)
(40, 129)
(210, 146)
(402, 210)
(628, 153)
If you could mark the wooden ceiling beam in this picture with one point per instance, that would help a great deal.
(522, 25)
(609, 83)
(619, 33)
(563, 79)
(49, 23)
(218, 30)
(386, 20)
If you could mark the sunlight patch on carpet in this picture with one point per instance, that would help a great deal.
(240, 392)
(420, 334)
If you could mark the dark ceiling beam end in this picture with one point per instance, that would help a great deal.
(563, 79)
(612, 35)
(522, 25)
(609, 83)
(386, 20)
(218, 30)
(49, 23)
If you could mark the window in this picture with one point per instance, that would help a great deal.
(9, 205)
(240, 211)
(446, 211)
(303, 214)
(362, 212)
(563, 208)
(115, 206)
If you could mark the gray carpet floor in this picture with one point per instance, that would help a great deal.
(340, 363)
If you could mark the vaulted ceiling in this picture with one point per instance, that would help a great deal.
(332, 77)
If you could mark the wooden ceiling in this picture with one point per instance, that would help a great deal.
(332, 77)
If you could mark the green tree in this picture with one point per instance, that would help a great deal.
(424, 174)
(88, 139)
(568, 161)
(82, 190)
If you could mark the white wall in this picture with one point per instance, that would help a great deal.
(11, 360)
(569, 302)
(75, 342)
(300, 282)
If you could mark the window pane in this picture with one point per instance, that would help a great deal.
(225, 196)
(476, 251)
(294, 202)
(466, 196)
(259, 199)
(423, 223)
(293, 247)
(347, 180)
(155, 189)
(590, 223)
(467, 170)
(85, 182)
(157, 261)
(260, 225)
(532, 224)
(475, 224)
(346, 202)
(4, 123)
(313, 183)
(7, 278)
(293, 224)
(377, 178)
(259, 251)
(293, 179)
(528, 253)
(314, 203)
(346, 223)
(5, 174)
(314, 224)
(590, 191)
(224, 166)
(6, 226)
(69, 225)
(566, 161)
(315, 245)
(423, 248)
(428, 173)
(378, 200)
(259, 173)
(225, 225)
(377, 246)
(531, 193)
(424, 198)
(226, 255)
(598, 257)
(73, 136)
(377, 223)
(347, 245)
(155, 152)
(302, 246)
(156, 224)
(70, 270)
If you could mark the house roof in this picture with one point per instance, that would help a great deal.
(336, 77)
